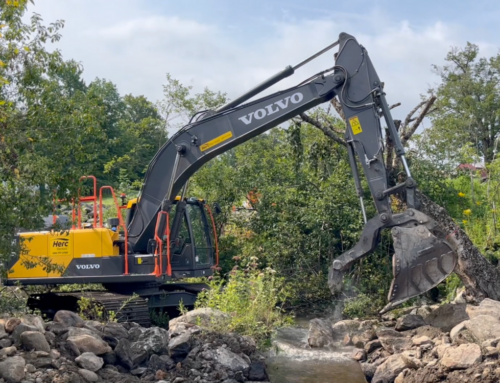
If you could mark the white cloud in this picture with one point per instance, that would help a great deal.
(135, 49)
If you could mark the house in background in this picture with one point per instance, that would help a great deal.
(478, 170)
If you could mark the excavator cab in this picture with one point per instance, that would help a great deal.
(193, 246)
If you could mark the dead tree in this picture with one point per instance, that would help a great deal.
(480, 278)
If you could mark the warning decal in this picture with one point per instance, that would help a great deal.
(216, 141)
(355, 125)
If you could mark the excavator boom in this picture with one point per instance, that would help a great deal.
(423, 257)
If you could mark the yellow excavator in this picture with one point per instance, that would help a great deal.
(164, 238)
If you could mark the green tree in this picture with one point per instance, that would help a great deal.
(468, 103)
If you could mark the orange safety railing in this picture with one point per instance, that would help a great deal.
(215, 235)
(159, 246)
(120, 219)
(91, 198)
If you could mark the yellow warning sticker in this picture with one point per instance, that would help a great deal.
(216, 141)
(355, 125)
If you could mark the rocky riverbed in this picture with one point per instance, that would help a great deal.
(447, 343)
(69, 349)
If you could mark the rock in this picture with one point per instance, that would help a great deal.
(77, 331)
(410, 360)
(89, 376)
(57, 328)
(68, 318)
(20, 328)
(34, 340)
(347, 341)
(116, 330)
(418, 341)
(112, 341)
(400, 378)
(369, 370)
(138, 354)
(87, 343)
(138, 371)
(50, 337)
(8, 351)
(429, 331)
(461, 357)
(42, 362)
(409, 322)
(180, 346)
(35, 321)
(122, 351)
(490, 352)
(372, 346)
(388, 370)
(134, 333)
(54, 354)
(484, 327)
(5, 343)
(161, 362)
(447, 316)
(486, 307)
(455, 330)
(203, 317)
(11, 324)
(153, 340)
(230, 360)
(257, 372)
(12, 369)
(438, 351)
(30, 368)
(320, 333)
(89, 361)
(358, 355)
(395, 344)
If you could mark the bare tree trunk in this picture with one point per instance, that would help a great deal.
(480, 278)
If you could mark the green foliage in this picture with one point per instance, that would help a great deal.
(251, 297)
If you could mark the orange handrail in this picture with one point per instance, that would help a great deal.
(215, 235)
(159, 243)
(86, 199)
(120, 219)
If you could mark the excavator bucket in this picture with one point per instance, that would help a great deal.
(421, 261)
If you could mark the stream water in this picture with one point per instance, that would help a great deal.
(296, 363)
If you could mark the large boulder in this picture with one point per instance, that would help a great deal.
(461, 357)
(77, 331)
(409, 322)
(180, 346)
(89, 376)
(34, 340)
(153, 340)
(447, 316)
(116, 330)
(230, 360)
(486, 307)
(484, 327)
(87, 343)
(35, 321)
(320, 333)
(12, 369)
(68, 318)
(160, 362)
(123, 353)
(204, 317)
(257, 372)
(11, 324)
(388, 370)
(393, 341)
(89, 361)
(20, 328)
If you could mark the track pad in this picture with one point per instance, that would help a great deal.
(421, 261)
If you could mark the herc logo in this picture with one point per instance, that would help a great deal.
(270, 109)
(88, 267)
(60, 242)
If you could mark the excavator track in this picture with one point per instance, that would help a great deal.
(126, 308)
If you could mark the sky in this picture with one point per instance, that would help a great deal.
(231, 46)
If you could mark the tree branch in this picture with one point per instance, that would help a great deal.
(327, 131)
(410, 115)
(408, 132)
(338, 108)
(394, 105)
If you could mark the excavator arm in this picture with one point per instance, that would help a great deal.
(423, 257)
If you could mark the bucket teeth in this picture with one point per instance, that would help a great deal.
(421, 261)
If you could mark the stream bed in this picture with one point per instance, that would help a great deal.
(294, 362)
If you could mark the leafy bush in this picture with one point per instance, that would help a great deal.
(251, 297)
